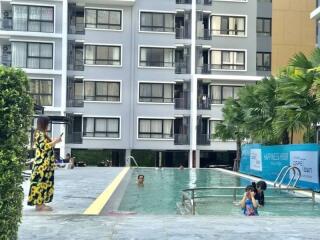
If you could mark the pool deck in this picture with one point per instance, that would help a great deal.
(75, 190)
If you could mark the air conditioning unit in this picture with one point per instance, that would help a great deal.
(6, 14)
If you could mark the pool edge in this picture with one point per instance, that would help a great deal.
(98, 204)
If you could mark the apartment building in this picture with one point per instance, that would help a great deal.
(137, 75)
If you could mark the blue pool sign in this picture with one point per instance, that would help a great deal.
(267, 161)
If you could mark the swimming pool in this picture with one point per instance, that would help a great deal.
(162, 194)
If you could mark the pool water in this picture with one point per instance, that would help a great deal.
(162, 194)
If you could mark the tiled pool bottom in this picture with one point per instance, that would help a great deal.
(161, 195)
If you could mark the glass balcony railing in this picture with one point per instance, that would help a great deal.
(204, 69)
(182, 68)
(6, 24)
(5, 61)
(76, 29)
(183, 1)
(75, 137)
(75, 103)
(181, 139)
(76, 65)
(203, 139)
(204, 103)
(181, 103)
(183, 33)
(204, 34)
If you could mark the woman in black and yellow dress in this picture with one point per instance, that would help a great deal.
(42, 176)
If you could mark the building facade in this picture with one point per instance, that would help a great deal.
(139, 75)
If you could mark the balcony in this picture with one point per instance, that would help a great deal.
(203, 139)
(183, 33)
(75, 137)
(204, 103)
(76, 29)
(183, 1)
(204, 34)
(6, 24)
(5, 61)
(182, 68)
(204, 69)
(182, 103)
(204, 2)
(76, 65)
(75, 103)
(181, 139)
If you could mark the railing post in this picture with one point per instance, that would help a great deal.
(234, 195)
(193, 203)
(313, 198)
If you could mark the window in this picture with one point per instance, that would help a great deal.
(33, 18)
(156, 57)
(101, 127)
(228, 60)
(264, 26)
(219, 94)
(228, 25)
(156, 92)
(212, 127)
(103, 55)
(263, 61)
(156, 22)
(102, 91)
(32, 55)
(41, 91)
(103, 19)
(156, 128)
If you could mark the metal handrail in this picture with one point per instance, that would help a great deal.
(134, 160)
(191, 197)
(287, 170)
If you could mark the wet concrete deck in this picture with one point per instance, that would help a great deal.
(76, 189)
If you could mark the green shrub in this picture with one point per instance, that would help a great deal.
(90, 156)
(16, 108)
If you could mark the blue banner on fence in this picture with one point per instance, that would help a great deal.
(267, 161)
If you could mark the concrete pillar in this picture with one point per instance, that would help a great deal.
(127, 155)
(197, 158)
(160, 159)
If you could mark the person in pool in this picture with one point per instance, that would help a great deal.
(140, 180)
(248, 203)
(259, 189)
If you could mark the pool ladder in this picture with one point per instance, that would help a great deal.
(133, 159)
(284, 172)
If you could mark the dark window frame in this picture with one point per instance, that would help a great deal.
(37, 96)
(264, 32)
(152, 26)
(263, 67)
(101, 60)
(95, 96)
(160, 63)
(26, 65)
(233, 65)
(222, 100)
(85, 133)
(171, 135)
(97, 24)
(229, 30)
(162, 99)
(38, 20)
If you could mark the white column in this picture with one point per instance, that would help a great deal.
(193, 106)
(197, 158)
(63, 91)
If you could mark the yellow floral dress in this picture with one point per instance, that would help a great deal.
(42, 176)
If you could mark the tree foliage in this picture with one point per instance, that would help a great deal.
(16, 108)
(271, 109)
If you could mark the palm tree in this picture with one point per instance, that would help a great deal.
(232, 127)
(300, 111)
(259, 103)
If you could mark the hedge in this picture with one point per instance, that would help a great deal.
(16, 109)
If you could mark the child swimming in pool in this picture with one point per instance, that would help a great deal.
(248, 203)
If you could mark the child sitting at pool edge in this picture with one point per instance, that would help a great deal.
(248, 203)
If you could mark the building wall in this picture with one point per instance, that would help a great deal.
(292, 30)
